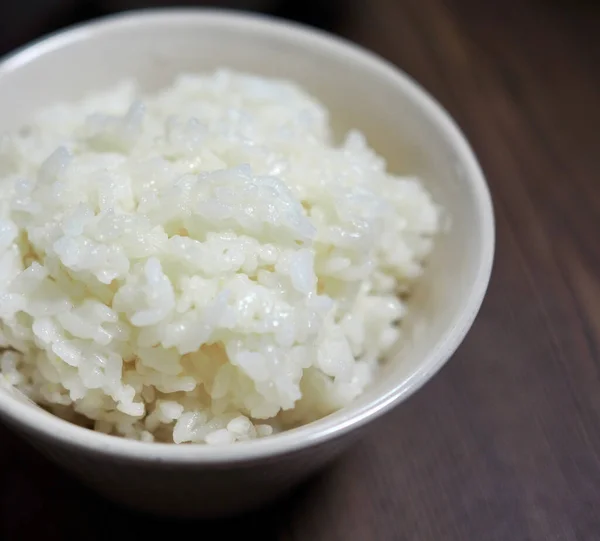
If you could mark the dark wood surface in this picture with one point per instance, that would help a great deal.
(504, 444)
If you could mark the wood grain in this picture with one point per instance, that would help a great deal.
(504, 444)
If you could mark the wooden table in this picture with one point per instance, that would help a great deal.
(504, 444)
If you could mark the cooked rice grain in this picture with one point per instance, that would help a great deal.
(203, 264)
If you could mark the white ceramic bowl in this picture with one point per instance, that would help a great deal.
(400, 120)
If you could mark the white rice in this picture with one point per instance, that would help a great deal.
(203, 264)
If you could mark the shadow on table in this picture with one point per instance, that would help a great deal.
(39, 501)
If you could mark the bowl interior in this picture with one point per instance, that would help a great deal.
(399, 121)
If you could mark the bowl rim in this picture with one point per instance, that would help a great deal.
(34, 420)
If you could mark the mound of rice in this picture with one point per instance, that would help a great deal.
(203, 264)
